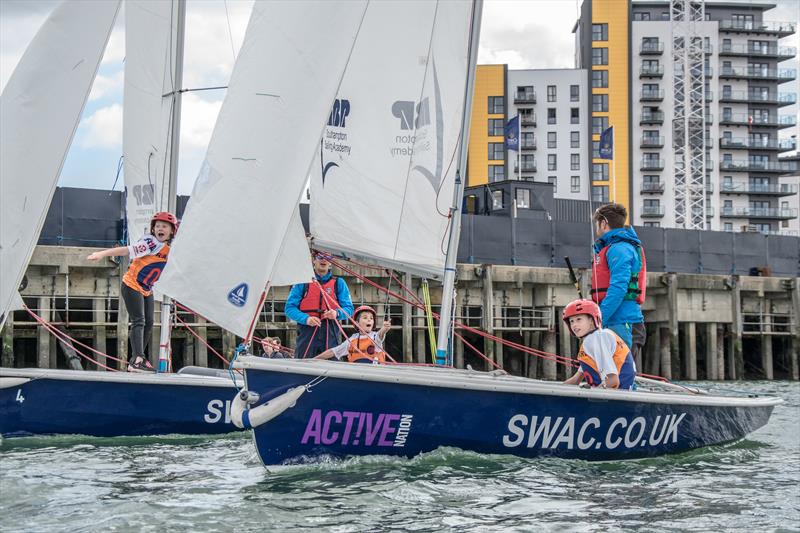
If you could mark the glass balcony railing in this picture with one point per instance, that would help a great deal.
(527, 144)
(651, 72)
(775, 189)
(649, 141)
(782, 29)
(652, 164)
(653, 211)
(759, 97)
(651, 95)
(652, 186)
(756, 143)
(783, 167)
(742, 119)
(771, 51)
(653, 117)
(527, 97)
(759, 212)
(651, 48)
(528, 119)
(777, 74)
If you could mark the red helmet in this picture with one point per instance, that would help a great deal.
(165, 216)
(362, 309)
(583, 307)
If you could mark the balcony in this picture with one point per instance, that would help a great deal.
(769, 189)
(651, 48)
(781, 75)
(781, 53)
(709, 96)
(781, 29)
(651, 72)
(779, 145)
(652, 164)
(742, 119)
(652, 211)
(527, 144)
(709, 211)
(651, 142)
(528, 119)
(652, 187)
(747, 97)
(779, 167)
(526, 167)
(655, 117)
(651, 95)
(527, 97)
(759, 212)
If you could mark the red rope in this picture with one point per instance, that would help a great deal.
(205, 343)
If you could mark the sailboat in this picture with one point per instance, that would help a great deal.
(390, 154)
(41, 106)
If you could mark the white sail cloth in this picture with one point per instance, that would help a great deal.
(241, 217)
(39, 112)
(150, 43)
(383, 181)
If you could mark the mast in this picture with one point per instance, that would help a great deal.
(443, 355)
(172, 181)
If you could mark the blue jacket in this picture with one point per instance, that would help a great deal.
(292, 308)
(622, 261)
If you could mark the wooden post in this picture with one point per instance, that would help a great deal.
(200, 349)
(291, 336)
(674, 355)
(420, 334)
(666, 355)
(566, 346)
(736, 363)
(533, 361)
(99, 312)
(711, 351)
(654, 351)
(458, 346)
(122, 333)
(488, 312)
(690, 351)
(548, 365)
(43, 358)
(794, 344)
(721, 352)
(155, 336)
(766, 348)
(526, 358)
(408, 332)
(228, 344)
(7, 359)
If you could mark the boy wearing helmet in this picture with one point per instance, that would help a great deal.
(148, 256)
(605, 360)
(364, 346)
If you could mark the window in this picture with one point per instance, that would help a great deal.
(596, 149)
(551, 162)
(497, 173)
(575, 184)
(574, 115)
(497, 200)
(599, 125)
(574, 139)
(551, 115)
(527, 139)
(574, 93)
(600, 79)
(652, 224)
(574, 161)
(652, 206)
(523, 198)
(496, 152)
(641, 16)
(497, 105)
(650, 44)
(552, 139)
(599, 171)
(496, 126)
(742, 21)
(600, 103)
(600, 194)
(729, 226)
(528, 162)
(599, 56)
(599, 32)
(665, 15)
(551, 93)
(651, 66)
(526, 93)
(552, 180)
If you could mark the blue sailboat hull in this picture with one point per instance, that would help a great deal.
(371, 410)
(106, 404)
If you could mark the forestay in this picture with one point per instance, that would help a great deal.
(150, 42)
(39, 112)
(383, 180)
(241, 216)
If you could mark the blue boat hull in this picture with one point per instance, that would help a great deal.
(372, 414)
(104, 404)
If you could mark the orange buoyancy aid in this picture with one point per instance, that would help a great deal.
(623, 360)
(601, 277)
(314, 303)
(144, 271)
(363, 349)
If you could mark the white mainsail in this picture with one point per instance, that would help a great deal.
(241, 215)
(39, 112)
(150, 43)
(383, 181)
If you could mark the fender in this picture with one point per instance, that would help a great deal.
(245, 418)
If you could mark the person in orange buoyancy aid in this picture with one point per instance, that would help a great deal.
(605, 360)
(619, 275)
(364, 346)
(316, 307)
(148, 257)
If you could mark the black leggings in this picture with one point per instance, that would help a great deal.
(140, 309)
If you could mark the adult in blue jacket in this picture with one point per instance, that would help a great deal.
(619, 275)
(317, 307)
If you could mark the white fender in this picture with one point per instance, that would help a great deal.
(245, 418)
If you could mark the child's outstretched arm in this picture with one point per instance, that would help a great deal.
(387, 325)
(327, 354)
(109, 252)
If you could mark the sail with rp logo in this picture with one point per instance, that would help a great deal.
(334, 146)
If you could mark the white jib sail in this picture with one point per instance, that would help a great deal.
(39, 112)
(150, 32)
(383, 181)
(238, 219)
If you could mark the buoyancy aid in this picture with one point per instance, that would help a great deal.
(601, 277)
(144, 271)
(313, 303)
(623, 360)
(363, 349)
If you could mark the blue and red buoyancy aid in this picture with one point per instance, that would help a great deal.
(623, 360)
(601, 277)
(314, 303)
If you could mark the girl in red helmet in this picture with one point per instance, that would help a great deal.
(148, 257)
(605, 360)
(364, 346)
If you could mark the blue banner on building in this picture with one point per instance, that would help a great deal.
(511, 133)
(607, 144)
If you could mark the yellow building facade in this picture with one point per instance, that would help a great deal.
(490, 82)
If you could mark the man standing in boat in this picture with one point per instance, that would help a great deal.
(619, 275)
(316, 307)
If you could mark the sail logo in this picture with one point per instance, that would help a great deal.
(412, 116)
(334, 140)
(143, 194)
(238, 295)
(339, 112)
(355, 428)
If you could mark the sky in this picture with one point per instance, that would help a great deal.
(520, 33)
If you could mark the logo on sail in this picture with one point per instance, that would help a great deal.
(335, 141)
(238, 295)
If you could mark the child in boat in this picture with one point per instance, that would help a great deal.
(605, 360)
(272, 348)
(148, 256)
(364, 346)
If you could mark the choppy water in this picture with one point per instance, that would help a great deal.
(217, 484)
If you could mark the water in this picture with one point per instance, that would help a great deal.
(217, 484)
